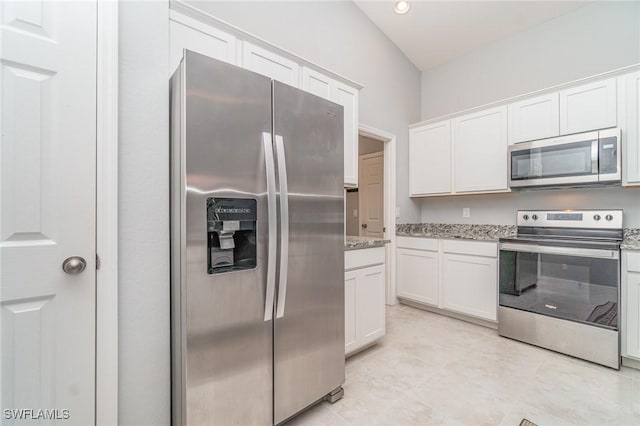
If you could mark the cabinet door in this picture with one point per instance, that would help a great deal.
(347, 96)
(430, 159)
(350, 332)
(535, 118)
(417, 275)
(316, 83)
(191, 34)
(480, 145)
(370, 304)
(631, 314)
(267, 63)
(588, 107)
(631, 156)
(469, 285)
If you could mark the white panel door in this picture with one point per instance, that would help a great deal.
(347, 96)
(370, 195)
(370, 304)
(350, 336)
(470, 285)
(267, 63)
(316, 83)
(417, 275)
(47, 207)
(480, 151)
(534, 118)
(588, 107)
(430, 159)
(631, 155)
(189, 33)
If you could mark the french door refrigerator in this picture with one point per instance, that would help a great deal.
(257, 266)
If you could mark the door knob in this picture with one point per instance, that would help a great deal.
(364, 225)
(74, 265)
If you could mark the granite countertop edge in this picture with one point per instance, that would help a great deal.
(631, 238)
(455, 231)
(359, 243)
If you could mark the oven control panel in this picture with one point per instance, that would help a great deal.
(598, 219)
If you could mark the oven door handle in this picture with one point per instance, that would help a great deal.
(563, 251)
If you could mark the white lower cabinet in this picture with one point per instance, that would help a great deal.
(364, 287)
(469, 285)
(417, 277)
(631, 308)
(453, 275)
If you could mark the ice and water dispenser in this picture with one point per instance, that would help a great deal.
(231, 229)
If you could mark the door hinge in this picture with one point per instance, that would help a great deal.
(97, 262)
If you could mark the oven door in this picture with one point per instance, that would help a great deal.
(576, 284)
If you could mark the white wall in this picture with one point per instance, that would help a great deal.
(593, 39)
(596, 38)
(338, 36)
(500, 209)
(143, 376)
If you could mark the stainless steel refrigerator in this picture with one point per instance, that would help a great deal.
(257, 242)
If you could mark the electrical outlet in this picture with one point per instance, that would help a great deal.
(466, 212)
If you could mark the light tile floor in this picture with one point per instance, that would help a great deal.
(434, 370)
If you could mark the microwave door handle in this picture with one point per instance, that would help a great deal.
(563, 251)
(594, 157)
(273, 224)
(284, 226)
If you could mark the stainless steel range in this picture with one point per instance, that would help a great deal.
(560, 283)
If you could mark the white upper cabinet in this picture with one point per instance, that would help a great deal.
(430, 159)
(535, 118)
(317, 83)
(631, 130)
(267, 63)
(192, 34)
(347, 96)
(480, 151)
(588, 107)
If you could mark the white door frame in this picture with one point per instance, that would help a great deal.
(389, 204)
(106, 363)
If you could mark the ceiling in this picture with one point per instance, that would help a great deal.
(435, 32)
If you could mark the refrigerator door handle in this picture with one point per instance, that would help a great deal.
(284, 226)
(273, 225)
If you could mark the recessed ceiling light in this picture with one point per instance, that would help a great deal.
(401, 7)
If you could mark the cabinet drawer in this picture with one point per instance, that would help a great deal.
(633, 261)
(354, 259)
(473, 248)
(418, 243)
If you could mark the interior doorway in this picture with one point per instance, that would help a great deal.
(371, 207)
(365, 204)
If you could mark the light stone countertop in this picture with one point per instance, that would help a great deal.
(356, 243)
(631, 239)
(456, 231)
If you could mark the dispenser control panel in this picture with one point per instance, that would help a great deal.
(231, 234)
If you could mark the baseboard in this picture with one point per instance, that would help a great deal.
(462, 317)
(632, 363)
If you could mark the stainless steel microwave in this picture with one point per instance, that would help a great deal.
(575, 160)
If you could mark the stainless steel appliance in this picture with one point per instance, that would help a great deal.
(582, 159)
(257, 242)
(560, 283)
